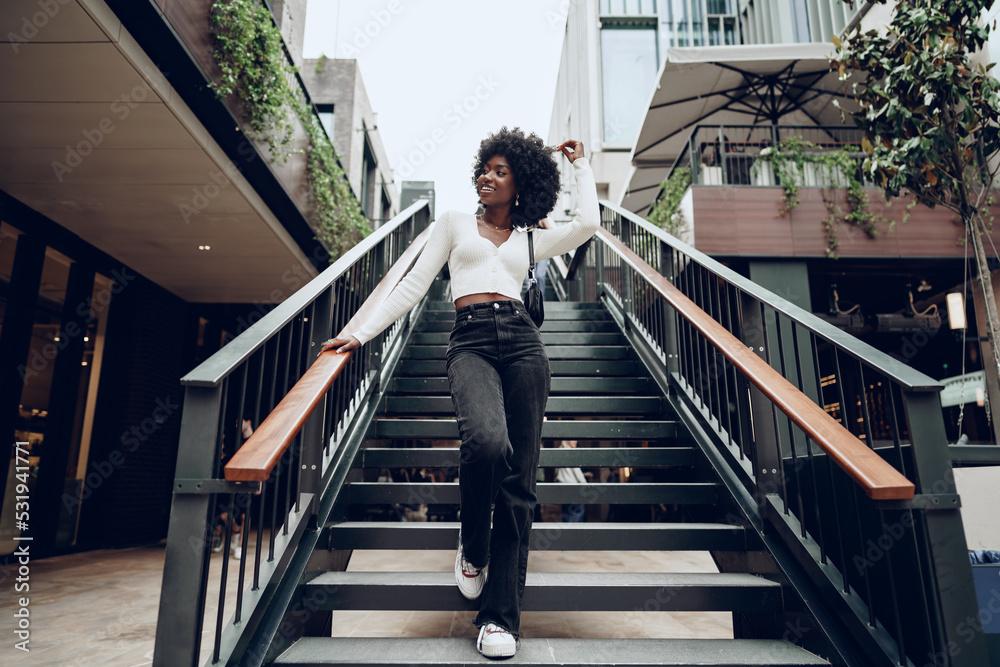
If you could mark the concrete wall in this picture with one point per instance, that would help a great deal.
(576, 110)
(978, 488)
(338, 81)
(290, 15)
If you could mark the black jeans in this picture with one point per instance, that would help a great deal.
(499, 377)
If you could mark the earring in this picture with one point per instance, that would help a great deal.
(517, 199)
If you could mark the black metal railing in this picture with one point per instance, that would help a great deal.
(737, 154)
(896, 568)
(222, 599)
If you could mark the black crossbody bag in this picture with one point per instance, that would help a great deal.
(533, 301)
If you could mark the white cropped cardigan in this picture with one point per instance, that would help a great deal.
(478, 266)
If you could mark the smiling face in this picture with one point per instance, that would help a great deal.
(496, 184)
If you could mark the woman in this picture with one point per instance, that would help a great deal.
(498, 371)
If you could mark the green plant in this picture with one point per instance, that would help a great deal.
(251, 58)
(787, 161)
(321, 63)
(249, 53)
(931, 117)
(666, 213)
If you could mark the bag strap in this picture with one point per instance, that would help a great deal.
(531, 260)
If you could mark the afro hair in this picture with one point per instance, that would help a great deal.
(535, 172)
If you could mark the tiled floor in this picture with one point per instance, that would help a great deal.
(99, 607)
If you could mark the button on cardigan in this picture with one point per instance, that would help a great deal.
(476, 264)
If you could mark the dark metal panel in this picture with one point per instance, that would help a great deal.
(580, 325)
(547, 536)
(588, 405)
(551, 430)
(974, 455)
(552, 314)
(557, 591)
(558, 367)
(548, 492)
(553, 351)
(183, 595)
(560, 385)
(63, 398)
(946, 547)
(608, 457)
(547, 338)
(553, 307)
(18, 320)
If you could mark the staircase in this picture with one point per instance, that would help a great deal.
(600, 392)
(812, 468)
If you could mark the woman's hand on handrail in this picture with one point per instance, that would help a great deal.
(345, 344)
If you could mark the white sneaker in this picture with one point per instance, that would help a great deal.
(237, 546)
(470, 579)
(495, 642)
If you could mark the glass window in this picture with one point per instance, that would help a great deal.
(720, 7)
(677, 20)
(33, 408)
(628, 70)
(800, 21)
(325, 112)
(369, 175)
(8, 242)
(628, 7)
(83, 422)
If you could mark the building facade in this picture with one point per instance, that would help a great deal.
(338, 91)
(716, 100)
(141, 228)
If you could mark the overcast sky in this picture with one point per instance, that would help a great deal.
(442, 74)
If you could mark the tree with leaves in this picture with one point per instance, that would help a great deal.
(931, 115)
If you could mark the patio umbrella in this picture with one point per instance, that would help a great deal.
(765, 84)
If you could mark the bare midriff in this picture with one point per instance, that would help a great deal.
(481, 297)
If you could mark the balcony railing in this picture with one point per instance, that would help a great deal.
(734, 155)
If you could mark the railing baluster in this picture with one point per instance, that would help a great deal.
(869, 601)
(898, 624)
(223, 580)
(794, 469)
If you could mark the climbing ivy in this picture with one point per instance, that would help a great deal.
(666, 213)
(254, 69)
(787, 160)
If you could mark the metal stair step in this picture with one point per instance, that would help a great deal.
(615, 493)
(556, 338)
(580, 315)
(554, 536)
(589, 405)
(553, 591)
(447, 429)
(550, 306)
(568, 457)
(601, 367)
(319, 651)
(560, 385)
(549, 326)
(552, 351)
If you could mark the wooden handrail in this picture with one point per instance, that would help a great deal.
(254, 461)
(878, 479)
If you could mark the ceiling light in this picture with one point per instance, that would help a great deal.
(204, 247)
(956, 311)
